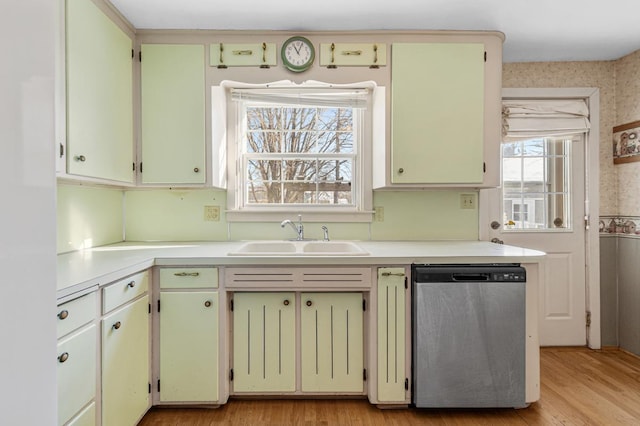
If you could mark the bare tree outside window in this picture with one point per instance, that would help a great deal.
(299, 155)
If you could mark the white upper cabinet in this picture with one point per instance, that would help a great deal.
(99, 95)
(444, 113)
(173, 114)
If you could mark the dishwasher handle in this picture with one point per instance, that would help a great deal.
(465, 276)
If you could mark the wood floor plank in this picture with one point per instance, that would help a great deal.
(578, 387)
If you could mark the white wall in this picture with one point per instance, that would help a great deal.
(27, 215)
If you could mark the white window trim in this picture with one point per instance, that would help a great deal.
(225, 146)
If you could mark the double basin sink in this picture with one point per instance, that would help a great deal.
(299, 248)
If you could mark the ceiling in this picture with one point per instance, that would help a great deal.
(536, 30)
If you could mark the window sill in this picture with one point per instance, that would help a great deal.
(278, 215)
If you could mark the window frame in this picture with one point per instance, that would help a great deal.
(362, 192)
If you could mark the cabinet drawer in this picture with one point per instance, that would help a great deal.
(124, 290)
(76, 313)
(188, 278)
(76, 372)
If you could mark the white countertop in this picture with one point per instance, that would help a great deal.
(86, 269)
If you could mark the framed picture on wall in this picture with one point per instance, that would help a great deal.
(626, 143)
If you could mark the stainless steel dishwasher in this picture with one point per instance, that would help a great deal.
(468, 335)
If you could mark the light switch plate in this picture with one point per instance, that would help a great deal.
(468, 201)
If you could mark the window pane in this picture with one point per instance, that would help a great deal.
(334, 170)
(268, 141)
(298, 118)
(259, 192)
(266, 170)
(302, 170)
(264, 118)
(299, 142)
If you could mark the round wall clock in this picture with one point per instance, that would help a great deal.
(298, 54)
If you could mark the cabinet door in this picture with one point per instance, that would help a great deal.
(332, 342)
(189, 346)
(173, 122)
(125, 363)
(86, 418)
(264, 351)
(391, 335)
(99, 95)
(437, 113)
(76, 372)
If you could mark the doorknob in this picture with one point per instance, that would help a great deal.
(495, 225)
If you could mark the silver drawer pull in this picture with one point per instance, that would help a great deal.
(132, 284)
(117, 325)
(392, 274)
(187, 274)
(62, 358)
(63, 314)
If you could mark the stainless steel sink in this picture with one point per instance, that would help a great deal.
(299, 248)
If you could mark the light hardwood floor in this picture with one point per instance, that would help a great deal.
(578, 387)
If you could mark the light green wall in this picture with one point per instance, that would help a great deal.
(173, 215)
(425, 215)
(88, 217)
(178, 215)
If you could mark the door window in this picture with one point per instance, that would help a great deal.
(536, 184)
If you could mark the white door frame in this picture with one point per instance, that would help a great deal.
(592, 195)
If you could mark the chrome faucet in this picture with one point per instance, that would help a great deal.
(298, 228)
(326, 233)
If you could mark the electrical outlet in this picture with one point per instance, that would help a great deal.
(468, 201)
(379, 214)
(212, 213)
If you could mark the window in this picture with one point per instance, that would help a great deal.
(299, 149)
(535, 183)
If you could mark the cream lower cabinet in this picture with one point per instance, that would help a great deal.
(264, 342)
(391, 333)
(332, 342)
(77, 360)
(188, 346)
(188, 319)
(265, 350)
(125, 363)
(77, 375)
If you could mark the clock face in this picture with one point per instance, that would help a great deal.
(298, 54)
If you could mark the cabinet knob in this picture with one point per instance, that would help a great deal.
(195, 169)
(81, 158)
(63, 314)
(401, 170)
(207, 303)
(117, 325)
(309, 303)
(286, 302)
(132, 284)
(62, 358)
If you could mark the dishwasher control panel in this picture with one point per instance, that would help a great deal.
(468, 273)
